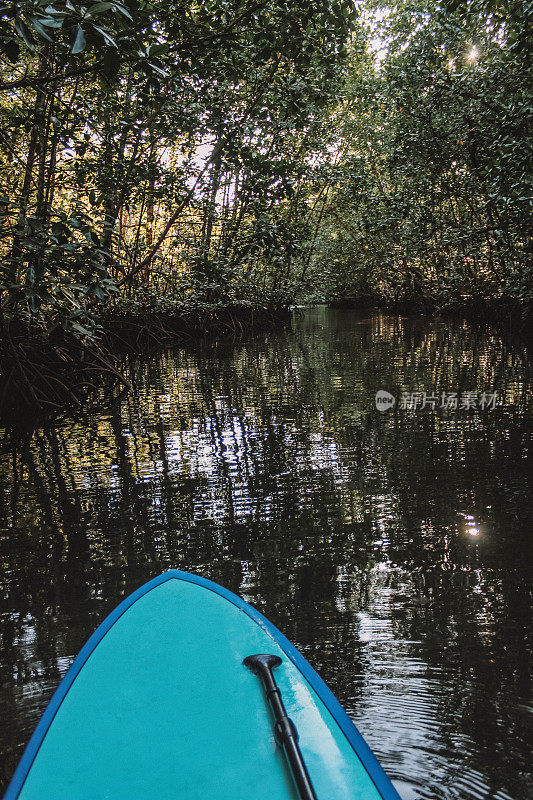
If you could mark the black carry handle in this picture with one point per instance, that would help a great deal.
(284, 729)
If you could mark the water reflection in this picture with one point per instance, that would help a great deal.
(390, 546)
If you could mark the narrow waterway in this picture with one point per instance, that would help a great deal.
(393, 546)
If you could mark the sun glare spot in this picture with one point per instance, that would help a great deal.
(473, 55)
(471, 527)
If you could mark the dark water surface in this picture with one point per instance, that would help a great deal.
(392, 547)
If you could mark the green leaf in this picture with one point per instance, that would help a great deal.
(25, 34)
(109, 39)
(50, 22)
(123, 11)
(79, 41)
(157, 49)
(41, 30)
(163, 72)
(82, 330)
(99, 8)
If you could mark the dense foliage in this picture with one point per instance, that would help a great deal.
(433, 191)
(159, 144)
(229, 151)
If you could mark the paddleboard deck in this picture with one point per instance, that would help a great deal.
(159, 705)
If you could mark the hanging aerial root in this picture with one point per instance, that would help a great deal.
(132, 330)
(40, 376)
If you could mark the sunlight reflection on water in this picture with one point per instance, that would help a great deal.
(390, 546)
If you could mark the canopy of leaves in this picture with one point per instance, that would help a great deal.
(161, 144)
(433, 190)
(254, 151)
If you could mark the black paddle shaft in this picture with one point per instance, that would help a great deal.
(284, 729)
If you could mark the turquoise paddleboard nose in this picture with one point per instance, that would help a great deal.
(158, 704)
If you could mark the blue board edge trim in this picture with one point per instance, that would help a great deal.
(356, 740)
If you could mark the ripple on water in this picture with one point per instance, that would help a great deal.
(390, 547)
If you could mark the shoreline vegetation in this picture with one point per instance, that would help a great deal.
(177, 170)
(508, 317)
(42, 375)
